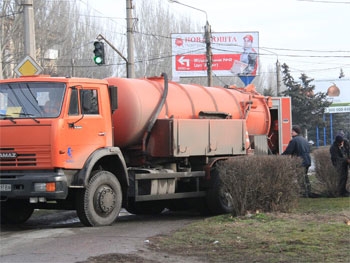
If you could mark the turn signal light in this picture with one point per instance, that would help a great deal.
(45, 187)
(51, 187)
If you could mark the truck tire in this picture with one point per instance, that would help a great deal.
(218, 201)
(100, 203)
(16, 211)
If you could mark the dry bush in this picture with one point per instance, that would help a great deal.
(325, 173)
(266, 182)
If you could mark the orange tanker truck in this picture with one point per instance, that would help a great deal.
(96, 146)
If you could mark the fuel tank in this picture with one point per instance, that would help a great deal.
(138, 100)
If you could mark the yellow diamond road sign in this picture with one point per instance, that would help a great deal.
(28, 67)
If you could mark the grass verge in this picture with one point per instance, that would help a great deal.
(317, 231)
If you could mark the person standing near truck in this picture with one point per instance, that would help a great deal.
(346, 145)
(341, 162)
(300, 147)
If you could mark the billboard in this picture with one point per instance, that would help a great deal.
(233, 54)
(338, 93)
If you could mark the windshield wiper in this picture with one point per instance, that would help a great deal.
(29, 115)
(8, 117)
(11, 118)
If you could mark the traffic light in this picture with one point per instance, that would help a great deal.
(99, 52)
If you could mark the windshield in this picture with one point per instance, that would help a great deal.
(31, 99)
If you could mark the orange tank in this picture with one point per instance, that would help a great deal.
(138, 100)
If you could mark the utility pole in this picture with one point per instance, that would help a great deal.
(130, 40)
(208, 53)
(29, 32)
(207, 38)
(278, 77)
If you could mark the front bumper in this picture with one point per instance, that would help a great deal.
(24, 184)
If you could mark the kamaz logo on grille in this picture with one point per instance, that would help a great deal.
(8, 155)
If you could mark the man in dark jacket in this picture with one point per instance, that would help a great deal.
(346, 145)
(340, 161)
(300, 147)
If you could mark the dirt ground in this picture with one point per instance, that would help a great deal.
(151, 253)
(99, 243)
(128, 241)
(143, 257)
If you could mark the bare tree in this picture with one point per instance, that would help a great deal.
(64, 35)
(154, 25)
(66, 30)
(10, 32)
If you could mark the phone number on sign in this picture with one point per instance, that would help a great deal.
(340, 109)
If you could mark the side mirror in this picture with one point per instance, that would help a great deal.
(113, 97)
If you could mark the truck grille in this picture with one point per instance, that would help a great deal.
(17, 157)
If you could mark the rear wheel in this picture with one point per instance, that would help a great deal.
(100, 203)
(219, 201)
(16, 211)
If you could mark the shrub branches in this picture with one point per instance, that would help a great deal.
(265, 183)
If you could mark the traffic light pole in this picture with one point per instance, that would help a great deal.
(99, 37)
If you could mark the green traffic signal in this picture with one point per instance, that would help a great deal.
(98, 60)
(99, 52)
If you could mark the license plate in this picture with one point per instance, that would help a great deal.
(5, 187)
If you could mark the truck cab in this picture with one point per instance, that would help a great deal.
(51, 129)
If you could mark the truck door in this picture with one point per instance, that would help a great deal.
(86, 129)
(281, 119)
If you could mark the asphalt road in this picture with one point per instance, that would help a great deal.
(60, 237)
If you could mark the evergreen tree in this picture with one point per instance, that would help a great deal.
(268, 92)
(307, 106)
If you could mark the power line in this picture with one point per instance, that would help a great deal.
(267, 48)
(325, 2)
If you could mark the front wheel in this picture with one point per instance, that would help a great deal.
(100, 203)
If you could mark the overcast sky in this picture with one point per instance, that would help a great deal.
(311, 37)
